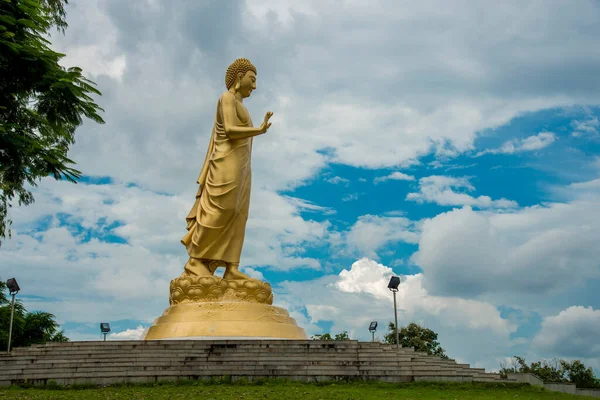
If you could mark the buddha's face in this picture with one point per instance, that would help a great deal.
(247, 84)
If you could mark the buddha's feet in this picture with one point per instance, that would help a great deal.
(232, 272)
(200, 267)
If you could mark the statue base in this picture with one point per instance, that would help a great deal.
(214, 308)
(224, 320)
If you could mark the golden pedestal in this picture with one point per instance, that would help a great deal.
(210, 307)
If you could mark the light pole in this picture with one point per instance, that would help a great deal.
(104, 328)
(393, 286)
(372, 329)
(13, 288)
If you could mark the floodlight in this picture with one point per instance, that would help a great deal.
(393, 286)
(104, 328)
(13, 286)
(394, 283)
(373, 326)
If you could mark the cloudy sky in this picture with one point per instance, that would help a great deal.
(454, 143)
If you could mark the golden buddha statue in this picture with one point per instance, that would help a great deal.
(217, 222)
(202, 304)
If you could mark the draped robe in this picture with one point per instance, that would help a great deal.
(216, 223)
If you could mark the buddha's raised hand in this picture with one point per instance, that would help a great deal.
(266, 124)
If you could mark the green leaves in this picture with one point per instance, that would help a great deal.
(327, 336)
(554, 371)
(28, 23)
(41, 103)
(417, 337)
(324, 336)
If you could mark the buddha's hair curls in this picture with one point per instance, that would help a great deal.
(242, 65)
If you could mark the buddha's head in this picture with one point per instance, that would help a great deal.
(241, 77)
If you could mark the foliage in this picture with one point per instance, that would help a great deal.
(417, 337)
(554, 371)
(41, 102)
(580, 375)
(546, 370)
(327, 336)
(29, 328)
(56, 10)
(342, 336)
(324, 336)
(3, 297)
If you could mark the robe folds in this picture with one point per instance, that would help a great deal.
(216, 223)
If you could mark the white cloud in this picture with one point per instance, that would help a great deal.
(370, 233)
(587, 127)
(572, 334)
(351, 196)
(367, 276)
(452, 89)
(531, 143)
(128, 334)
(396, 176)
(337, 180)
(94, 57)
(441, 190)
(586, 191)
(276, 234)
(586, 186)
(514, 257)
(359, 295)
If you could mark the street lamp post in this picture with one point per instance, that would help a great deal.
(393, 286)
(13, 288)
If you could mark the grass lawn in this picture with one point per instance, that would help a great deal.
(282, 390)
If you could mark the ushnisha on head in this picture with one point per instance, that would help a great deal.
(241, 77)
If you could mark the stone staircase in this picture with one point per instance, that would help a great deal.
(162, 360)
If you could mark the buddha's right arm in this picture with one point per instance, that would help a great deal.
(232, 130)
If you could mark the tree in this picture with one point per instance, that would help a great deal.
(29, 328)
(327, 336)
(3, 298)
(41, 102)
(546, 370)
(554, 371)
(324, 336)
(417, 337)
(580, 375)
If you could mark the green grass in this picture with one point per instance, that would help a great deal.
(283, 390)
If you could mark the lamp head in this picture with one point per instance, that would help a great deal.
(373, 326)
(13, 286)
(394, 283)
(104, 327)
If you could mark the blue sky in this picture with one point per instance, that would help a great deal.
(459, 148)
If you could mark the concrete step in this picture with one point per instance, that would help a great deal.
(163, 358)
(241, 355)
(441, 378)
(230, 343)
(139, 361)
(208, 372)
(187, 347)
(20, 368)
(196, 348)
